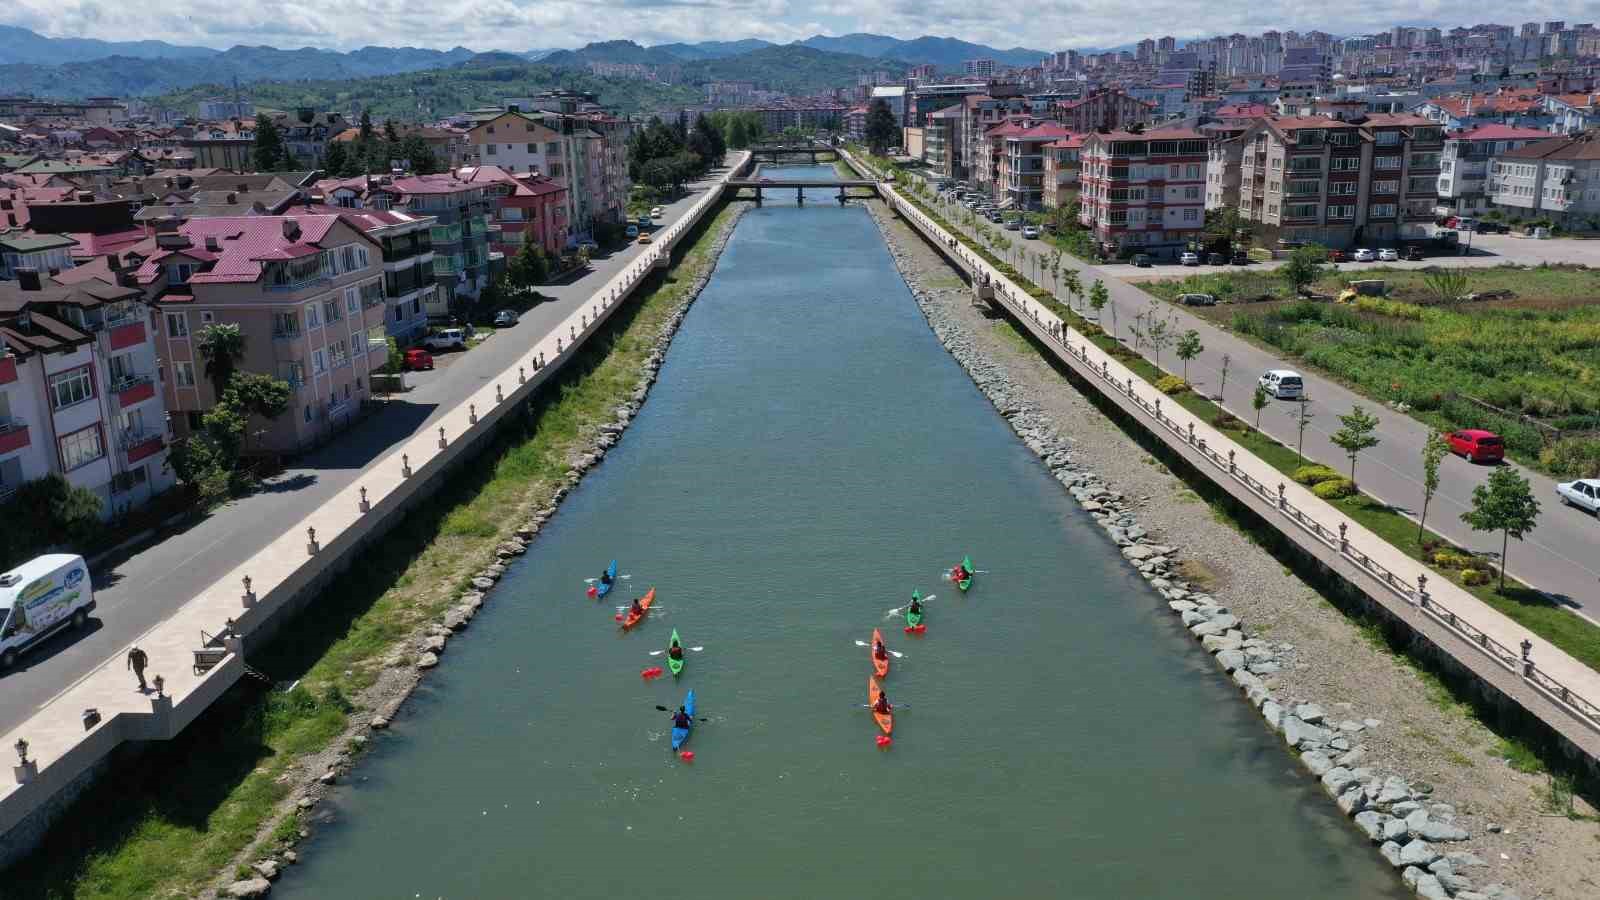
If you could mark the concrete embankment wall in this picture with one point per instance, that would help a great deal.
(1524, 698)
(290, 573)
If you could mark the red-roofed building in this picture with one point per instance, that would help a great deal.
(991, 149)
(1062, 163)
(1022, 166)
(1109, 109)
(1145, 191)
(306, 290)
(527, 207)
(1464, 167)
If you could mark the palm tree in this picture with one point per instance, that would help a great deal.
(221, 346)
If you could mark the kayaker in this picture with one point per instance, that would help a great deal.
(915, 608)
(636, 609)
(681, 719)
(879, 650)
(675, 652)
(960, 573)
(883, 706)
(605, 578)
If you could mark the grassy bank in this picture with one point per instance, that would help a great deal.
(1528, 607)
(1533, 352)
(165, 824)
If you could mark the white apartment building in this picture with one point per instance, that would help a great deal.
(1558, 179)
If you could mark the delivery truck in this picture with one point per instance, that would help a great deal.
(40, 597)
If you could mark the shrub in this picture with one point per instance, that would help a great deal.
(1450, 559)
(1314, 474)
(1379, 306)
(1228, 422)
(1171, 384)
(1474, 576)
(1572, 458)
(57, 514)
(1334, 488)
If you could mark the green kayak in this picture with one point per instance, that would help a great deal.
(676, 665)
(913, 619)
(966, 566)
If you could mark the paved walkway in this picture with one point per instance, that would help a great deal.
(1558, 557)
(1557, 677)
(163, 596)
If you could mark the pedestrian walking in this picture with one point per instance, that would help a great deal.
(137, 660)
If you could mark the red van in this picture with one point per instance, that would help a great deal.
(1477, 445)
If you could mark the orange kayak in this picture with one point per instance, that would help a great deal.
(644, 605)
(884, 720)
(881, 666)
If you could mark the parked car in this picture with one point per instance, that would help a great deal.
(416, 359)
(1240, 258)
(1414, 252)
(1388, 254)
(1493, 228)
(644, 237)
(1013, 225)
(1189, 259)
(1364, 255)
(39, 597)
(1583, 493)
(632, 231)
(644, 221)
(1283, 384)
(1030, 232)
(1215, 259)
(1142, 260)
(1338, 256)
(994, 216)
(655, 212)
(1197, 300)
(447, 339)
(505, 318)
(1476, 445)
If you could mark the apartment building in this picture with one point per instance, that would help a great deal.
(24, 249)
(1021, 169)
(1111, 109)
(79, 388)
(527, 207)
(1340, 184)
(1557, 178)
(1062, 161)
(409, 286)
(1464, 166)
(515, 142)
(1144, 191)
(460, 234)
(306, 290)
(941, 148)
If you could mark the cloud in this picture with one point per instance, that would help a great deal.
(525, 24)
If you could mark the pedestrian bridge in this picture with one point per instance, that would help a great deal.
(735, 186)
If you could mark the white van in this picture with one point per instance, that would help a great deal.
(40, 596)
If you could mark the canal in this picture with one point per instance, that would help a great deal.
(809, 456)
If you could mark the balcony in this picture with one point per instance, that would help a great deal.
(141, 444)
(288, 286)
(129, 335)
(13, 434)
(8, 369)
(295, 335)
(133, 389)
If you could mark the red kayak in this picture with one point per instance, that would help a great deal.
(632, 617)
(879, 665)
(884, 720)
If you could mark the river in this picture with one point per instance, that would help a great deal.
(809, 456)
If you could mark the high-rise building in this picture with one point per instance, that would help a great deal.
(983, 68)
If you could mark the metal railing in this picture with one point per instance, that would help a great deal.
(9, 424)
(130, 381)
(1412, 590)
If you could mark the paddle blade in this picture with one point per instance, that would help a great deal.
(687, 756)
(617, 617)
(884, 741)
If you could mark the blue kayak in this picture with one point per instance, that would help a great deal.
(601, 587)
(680, 735)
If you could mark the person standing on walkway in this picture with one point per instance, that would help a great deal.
(137, 661)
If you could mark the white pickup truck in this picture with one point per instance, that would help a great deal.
(40, 596)
(1583, 493)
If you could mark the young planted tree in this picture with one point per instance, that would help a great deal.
(1356, 435)
(1227, 360)
(1433, 451)
(1505, 504)
(1160, 334)
(1302, 419)
(1306, 264)
(1072, 284)
(1258, 402)
(1098, 296)
(1187, 348)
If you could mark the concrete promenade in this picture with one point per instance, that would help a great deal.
(1551, 685)
(288, 570)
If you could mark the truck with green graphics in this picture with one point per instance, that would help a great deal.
(40, 597)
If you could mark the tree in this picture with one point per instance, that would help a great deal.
(1446, 285)
(221, 346)
(335, 159)
(1505, 504)
(270, 153)
(881, 131)
(1160, 336)
(366, 127)
(1306, 264)
(1356, 435)
(1072, 284)
(419, 154)
(1098, 295)
(1433, 450)
(1301, 421)
(254, 394)
(1258, 402)
(1223, 226)
(1222, 390)
(530, 266)
(389, 134)
(1188, 347)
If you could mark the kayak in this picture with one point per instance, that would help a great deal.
(680, 735)
(601, 588)
(880, 666)
(966, 563)
(633, 618)
(884, 720)
(676, 665)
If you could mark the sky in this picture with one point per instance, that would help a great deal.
(539, 24)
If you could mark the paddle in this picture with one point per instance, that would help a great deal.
(664, 709)
(894, 653)
(897, 706)
(659, 652)
(946, 572)
(618, 578)
(899, 609)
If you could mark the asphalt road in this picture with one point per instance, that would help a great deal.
(137, 591)
(1559, 556)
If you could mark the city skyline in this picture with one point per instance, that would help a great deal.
(517, 26)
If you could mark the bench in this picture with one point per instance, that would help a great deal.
(207, 657)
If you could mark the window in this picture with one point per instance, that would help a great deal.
(319, 361)
(1342, 188)
(132, 423)
(552, 148)
(177, 325)
(285, 324)
(1386, 187)
(1174, 171)
(313, 317)
(80, 448)
(1383, 210)
(533, 148)
(1191, 215)
(340, 353)
(1300, 210)
(71, 387)
(183, 374)
(489, 149)
(1386, 162)
(1344, 164)
(207, 317)
(1192, 171)
(330, 311)
(352, 300)
(1345, 211)
(121, 367)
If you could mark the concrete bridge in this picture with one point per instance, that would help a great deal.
(734, 186)
(775, 151)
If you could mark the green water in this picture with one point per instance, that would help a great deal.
(809, 456)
